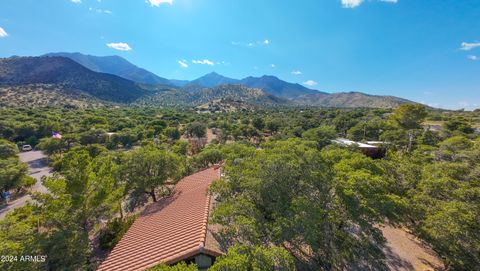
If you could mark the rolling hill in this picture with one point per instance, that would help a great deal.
(350, 99)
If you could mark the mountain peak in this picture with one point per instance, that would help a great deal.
(213, 79)
(115, 65)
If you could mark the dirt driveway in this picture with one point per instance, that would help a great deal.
(37, 168)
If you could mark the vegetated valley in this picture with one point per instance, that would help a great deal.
(292, 196)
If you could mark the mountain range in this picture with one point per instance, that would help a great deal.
(114, 79)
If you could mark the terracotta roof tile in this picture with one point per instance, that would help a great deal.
(170, 230)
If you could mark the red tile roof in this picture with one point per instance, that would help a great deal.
(170, 230)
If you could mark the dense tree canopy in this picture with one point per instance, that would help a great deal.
(289, 199)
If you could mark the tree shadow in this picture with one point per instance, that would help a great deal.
(38, 163)
(161, 204)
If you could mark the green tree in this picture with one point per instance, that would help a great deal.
(182, 266)
(457, 124)
(258, 123)
(291, 193)
(50, 145)
(323, 135)
(7, 149)
(254, 258)
(12, 171)
(94, 186)
(409, 116)
(146, 170)
(172, 133)
(207, 157)
(196, 129)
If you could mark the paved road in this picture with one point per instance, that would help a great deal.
(37, 168)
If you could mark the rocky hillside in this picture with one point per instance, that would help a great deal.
(45, 95)
(350, 99)
(68, 74)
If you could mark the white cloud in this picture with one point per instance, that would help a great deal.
(356, 3)
(265, 42)
(467, 46)
(310, 83)
(76, 1)
(121, 46)
(183, 63)
(351, 3)
(98, 10)
(203, 62)
(157, 3)
(296, 72)
(472, 57)
(3, 33)
(272, 65)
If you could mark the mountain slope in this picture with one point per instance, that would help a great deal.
(70, 75)
(213, 79)
(236, 93)
(222, 94)
(115, 65)
(351, 99)
(45, 95)
(277, 87)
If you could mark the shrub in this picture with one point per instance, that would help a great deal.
(114, 231)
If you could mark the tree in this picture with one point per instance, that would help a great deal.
(12, 171)
(7, 149)
(273, 125)
(409, 116)
(94, 186)
(367, 130)
(60, 225)
(19, 236)
(196, 129)
(182, 266)
(291, 194)
(254, 258)
(323, 135)
(457, 124)
(50, 145)
(258, 123)
(207, 157)
(172, 133)
(429, 137)
(148, 169)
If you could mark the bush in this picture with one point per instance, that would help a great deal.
(27, 182)
(114, 231)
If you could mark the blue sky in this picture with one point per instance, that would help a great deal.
(424, 50)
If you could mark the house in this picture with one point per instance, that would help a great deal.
(376, 149)
(172, 230)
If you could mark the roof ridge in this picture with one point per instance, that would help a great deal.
(203, 234)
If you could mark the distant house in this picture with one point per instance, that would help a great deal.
(433, 127)
(171, 230)
(373, 149)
